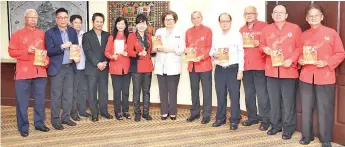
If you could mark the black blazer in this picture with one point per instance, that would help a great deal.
(94, 52)
(53, 42)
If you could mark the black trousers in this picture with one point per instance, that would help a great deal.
(79, 94)
(98, 84)
(255, 85)
(323, 96)
(282, 95)
(141, 81)
(23, 88)
(62, 93)
(168, 85)
(226, 81)
(121, 86)
(206, 82)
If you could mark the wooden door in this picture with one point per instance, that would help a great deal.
(334, 18)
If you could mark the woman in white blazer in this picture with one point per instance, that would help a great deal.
(168, 63)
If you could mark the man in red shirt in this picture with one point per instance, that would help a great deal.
(317, 78)
(279, 41)
(199, 38)
(254, 80)
(23, 45)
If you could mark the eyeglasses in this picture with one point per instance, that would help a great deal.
(246, 14)
(62, 18)
(313, 16)
(280, 13)
(32, 17)
(225, 21)
(169, 20)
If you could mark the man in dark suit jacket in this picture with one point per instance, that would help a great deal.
(96, 69)
(61, 69)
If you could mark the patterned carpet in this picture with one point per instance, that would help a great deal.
(144, 133)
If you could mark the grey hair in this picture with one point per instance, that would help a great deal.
(28, 11)
(191, 16)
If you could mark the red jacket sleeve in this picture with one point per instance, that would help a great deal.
(338, 53)
(15, 51)
(109, 49)
(131, 46)
(208, 44)
(262, 40)
(186, 38)
(294, 56)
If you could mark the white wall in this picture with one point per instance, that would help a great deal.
(210, 10)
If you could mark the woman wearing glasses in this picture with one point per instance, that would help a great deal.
(168, 63)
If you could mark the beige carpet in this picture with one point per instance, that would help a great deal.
(144, 133)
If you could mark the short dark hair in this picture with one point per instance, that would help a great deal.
(169, 12)
(73, 17)
(313, 6)
(286, 10)
(97, 14)
(141, 18)
(60, 10)
(224, 14)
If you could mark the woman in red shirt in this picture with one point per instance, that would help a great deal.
(116, 51)
(317, 78)
(139, 49)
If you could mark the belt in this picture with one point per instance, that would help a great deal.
(231, 65)
(67, 65)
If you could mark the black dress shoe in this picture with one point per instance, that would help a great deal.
(94, 119)
(107, 115)
(24, 133)
(118, 116)
(286, 136)
(42, 128)
(273, 131)
(233, 126)
(264, 126)
(69, 122)
(58, 127)
(192, 118)
(147, 116)
(137, 117)
(326, 144)
(173, 117)
(249, 123)
(164, 117)
(218, 123)
(305, 140)
(75, 118)
(85, 115)
(205, 120)
(127, 115)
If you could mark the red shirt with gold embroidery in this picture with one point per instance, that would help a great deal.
(329, 48)
(200, 38)
(122, 63)
(285, 39)
(253, 58)
(18, 48)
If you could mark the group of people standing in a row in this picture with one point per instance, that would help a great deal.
(251, 54)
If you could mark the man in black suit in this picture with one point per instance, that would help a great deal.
(96, 70)
(61, 69)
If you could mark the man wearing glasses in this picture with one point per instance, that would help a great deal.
(61, 69)
(254, 79)
(279, 41)
(228, 53)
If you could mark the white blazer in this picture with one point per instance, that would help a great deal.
(170, 63)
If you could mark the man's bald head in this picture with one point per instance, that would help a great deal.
(250, 9)
(250, 14)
